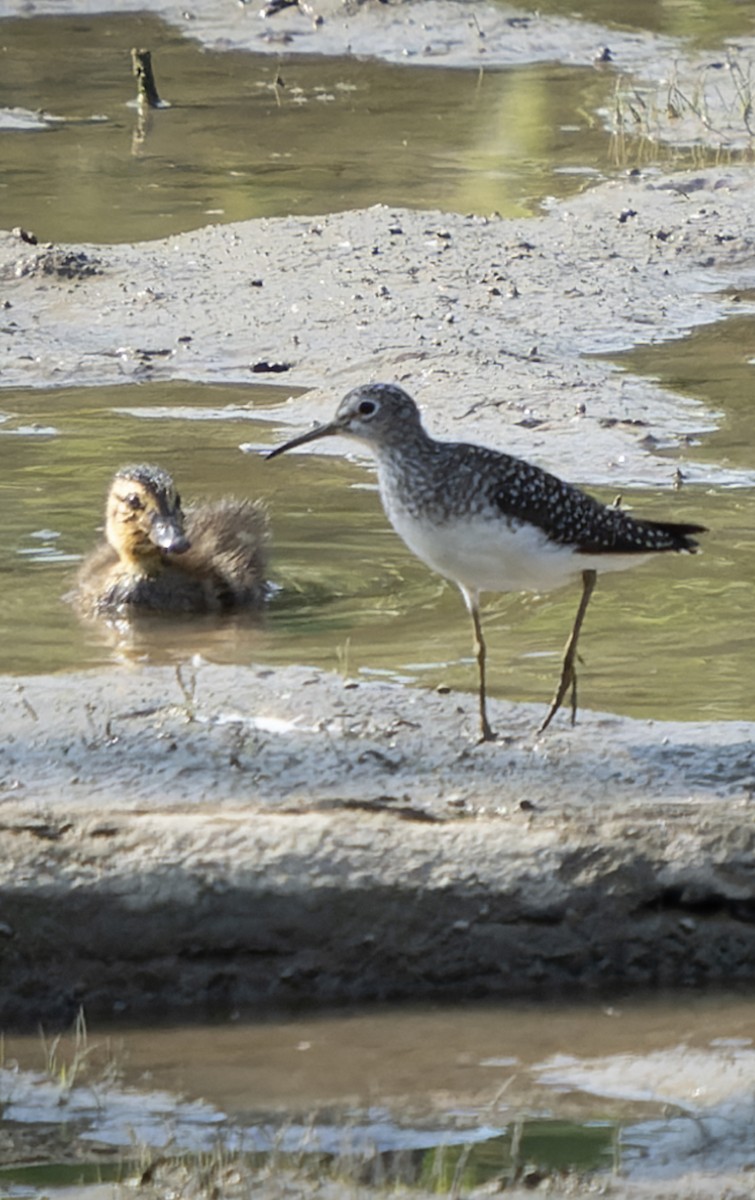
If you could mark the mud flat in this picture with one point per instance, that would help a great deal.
(284, 836)
(486, 321)
(246, 837)
(249, 836)
(270, 836)
(230, 837)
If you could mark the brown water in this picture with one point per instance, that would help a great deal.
(714, 364)
(351, 597)
(700, 21)
(335, 134)
(672, 639)
(427, 1059)
(657, 1087)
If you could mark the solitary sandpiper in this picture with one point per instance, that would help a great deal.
(491, 522)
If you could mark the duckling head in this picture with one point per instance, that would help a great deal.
(144, 517)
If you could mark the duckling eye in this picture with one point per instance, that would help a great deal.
(133, 500)
(367, 408)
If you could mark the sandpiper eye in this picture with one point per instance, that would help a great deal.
(367, 408)
(133, 500)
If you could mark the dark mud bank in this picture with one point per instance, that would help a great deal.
(321, 843)
(590, 917)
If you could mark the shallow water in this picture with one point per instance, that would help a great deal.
(254, 135)
(713, 364)
(329, 134)
(672, 639)
(352, 597)
(708, 24)
(655, 1088)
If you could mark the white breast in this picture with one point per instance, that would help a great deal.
(492, 556)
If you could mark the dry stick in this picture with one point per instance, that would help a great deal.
(141, 65)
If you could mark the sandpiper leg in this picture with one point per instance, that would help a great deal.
(568, 673)
(486, 733)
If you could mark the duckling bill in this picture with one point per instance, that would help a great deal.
(157, 558)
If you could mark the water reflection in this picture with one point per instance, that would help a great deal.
(665, 639)
(251, 135)
(713, 363)
(422, 1095)
(703, 22)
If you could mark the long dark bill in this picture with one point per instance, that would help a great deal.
(320, 431)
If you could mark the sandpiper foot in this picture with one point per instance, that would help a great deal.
(568, 680)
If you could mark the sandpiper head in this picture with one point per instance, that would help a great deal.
(144, 515)
(375, 412)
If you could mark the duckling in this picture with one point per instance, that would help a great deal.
(156, 558)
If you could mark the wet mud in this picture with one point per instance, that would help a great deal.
(223, 838)
(487, 322)
(256, 837)
(251, 836)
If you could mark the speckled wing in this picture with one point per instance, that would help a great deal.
(569, 517)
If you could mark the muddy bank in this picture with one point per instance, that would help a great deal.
(290, 1186)
(244, 837)
(247, 837)
(442, 33)
(487, 322)
(269, 837)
